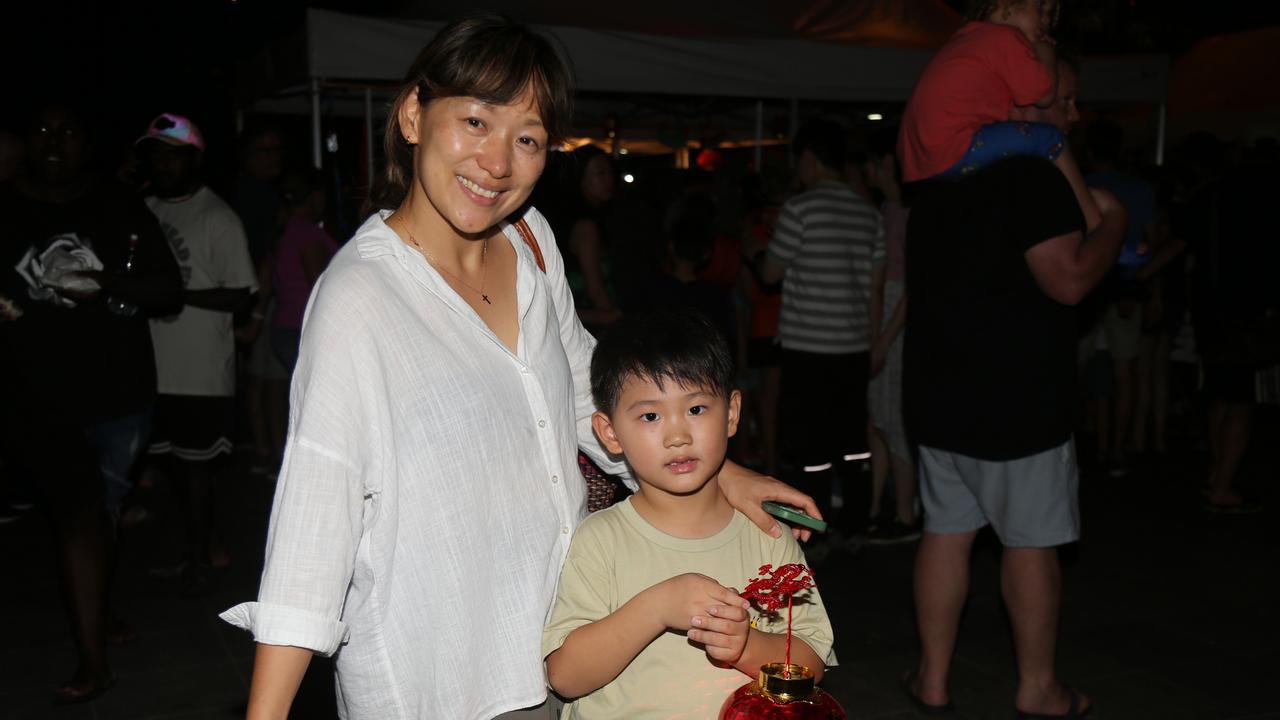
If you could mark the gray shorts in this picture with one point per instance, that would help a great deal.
(1030, 502)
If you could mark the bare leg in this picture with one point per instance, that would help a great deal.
(1102, 419)
(879, 468)
(1160, 390)
(1031, 582)
(1067, 164)
(196, 484)
(1123, 400)
(1144, 378)
(1233, 430)
(85, 544)
(941, 586)
(904, 486)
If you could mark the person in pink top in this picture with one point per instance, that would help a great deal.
(957, 119)
(303, 253)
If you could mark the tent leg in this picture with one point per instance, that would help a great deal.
(759, 133)
(368, 136)
(315, 123)
(793, 126)
(1162, 111)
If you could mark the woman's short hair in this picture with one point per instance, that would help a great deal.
(486, 56)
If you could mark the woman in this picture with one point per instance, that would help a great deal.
(588, 266)
(429, 487)
(304, 252)
(890, 449)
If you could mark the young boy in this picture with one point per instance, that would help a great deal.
(957, 119)
(645, 623)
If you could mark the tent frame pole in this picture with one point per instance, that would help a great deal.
(793, 126)
(316, 159)
(368, 135)
(1162, 112)
(759, 134)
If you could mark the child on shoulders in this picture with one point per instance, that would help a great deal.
(645, 622)
(957, 120)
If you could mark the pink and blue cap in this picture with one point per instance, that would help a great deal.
(174, 130)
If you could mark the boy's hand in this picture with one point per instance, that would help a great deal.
(723, 632)
(683, 598)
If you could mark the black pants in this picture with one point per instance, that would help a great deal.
(824, 428)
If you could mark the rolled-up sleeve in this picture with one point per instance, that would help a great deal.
(317, 519)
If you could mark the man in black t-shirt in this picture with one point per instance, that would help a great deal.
(995, 263)
(83, 263)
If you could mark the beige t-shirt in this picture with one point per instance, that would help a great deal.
(195, 349)
(614, 556)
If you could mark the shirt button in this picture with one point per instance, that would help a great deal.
(542, 423)
(564, 529)
(555, 478)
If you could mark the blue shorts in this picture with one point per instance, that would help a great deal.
(119, 443)
(994, 142)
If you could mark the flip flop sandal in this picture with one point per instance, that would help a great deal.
(906, 681)
(1073, 711)
(70, 695)
(1244, 508)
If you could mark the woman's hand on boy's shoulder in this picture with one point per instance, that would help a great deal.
(747, 490)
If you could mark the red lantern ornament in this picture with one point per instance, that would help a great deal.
(782, 691)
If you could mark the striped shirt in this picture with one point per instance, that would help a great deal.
(828, 239)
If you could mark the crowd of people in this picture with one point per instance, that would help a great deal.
(128, 293)
(429, 395)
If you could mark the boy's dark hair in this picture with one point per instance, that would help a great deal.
(682, 347)
(823, 138)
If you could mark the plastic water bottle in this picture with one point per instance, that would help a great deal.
(117, 305)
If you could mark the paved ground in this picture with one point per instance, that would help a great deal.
(1169, 612)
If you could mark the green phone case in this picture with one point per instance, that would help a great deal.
(795, 515)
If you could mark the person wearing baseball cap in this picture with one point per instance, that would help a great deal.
(171, 151)
(195, 349)
(174, 130)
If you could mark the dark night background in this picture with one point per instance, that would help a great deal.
(128, 61)
(1167, 610)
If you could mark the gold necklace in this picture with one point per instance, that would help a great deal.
(484, 251)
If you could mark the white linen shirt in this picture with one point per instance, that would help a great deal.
(430, 484)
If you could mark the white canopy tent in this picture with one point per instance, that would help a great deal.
(352, 52)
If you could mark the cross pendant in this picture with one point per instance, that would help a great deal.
(485, 298)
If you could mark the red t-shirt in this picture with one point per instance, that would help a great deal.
(983, 71)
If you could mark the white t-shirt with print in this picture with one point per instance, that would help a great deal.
(195, 349)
